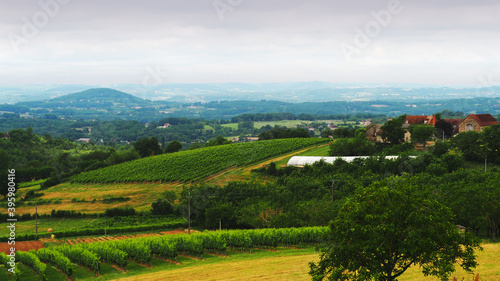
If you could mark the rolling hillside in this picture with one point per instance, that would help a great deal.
(194, 164)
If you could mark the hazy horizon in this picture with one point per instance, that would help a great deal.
(157, 42)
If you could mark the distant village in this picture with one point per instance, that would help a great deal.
(473, 122)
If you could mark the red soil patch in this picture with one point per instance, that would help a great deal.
(172, 232)
(21, 246)
(109, 238)
(178, 231)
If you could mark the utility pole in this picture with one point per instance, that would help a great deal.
(36, 220)
(189, 212)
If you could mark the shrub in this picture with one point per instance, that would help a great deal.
(161, 207)
(119, 212)
(50, 182)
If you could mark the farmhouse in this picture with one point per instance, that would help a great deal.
(476, 122)
(374, 132)
(417, 120)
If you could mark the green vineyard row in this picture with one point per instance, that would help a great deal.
(142, 250)
(195, 164)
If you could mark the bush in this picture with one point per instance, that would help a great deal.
(50, 182)
(65, 214)
(119, 212)
(398, 148)
(161, 207)
(439, 148)
(352, 147)
(32, 194)
(453, 161)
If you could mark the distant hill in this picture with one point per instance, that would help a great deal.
(99, 99)
(99, 94)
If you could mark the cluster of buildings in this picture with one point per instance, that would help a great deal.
(473, 122)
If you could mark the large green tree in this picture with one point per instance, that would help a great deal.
(471, 144)
(491, 138)
(148, 147)
(422, 133)
(383, 230)
(392, 130)
(173, 146)
(444, 127)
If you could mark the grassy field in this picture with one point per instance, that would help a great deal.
(140, 195)
(284, 264)
(187, 268)
(294, 266)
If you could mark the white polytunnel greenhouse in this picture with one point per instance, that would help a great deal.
(301, 161)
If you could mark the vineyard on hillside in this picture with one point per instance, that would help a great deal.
(143, 250)
(193, 165)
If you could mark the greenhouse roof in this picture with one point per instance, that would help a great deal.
(300, 161)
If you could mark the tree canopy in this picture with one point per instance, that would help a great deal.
(421, 133)
(382, 230)
(392, 130)
(148, 147)
(173, 146)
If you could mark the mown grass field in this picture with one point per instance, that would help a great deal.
(284, 264)
(294, 266)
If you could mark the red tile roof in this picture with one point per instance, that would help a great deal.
(454, 122)
(484, 119)
(420, 119)
(416, 119)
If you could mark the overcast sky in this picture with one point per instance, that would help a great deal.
(166, 41)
